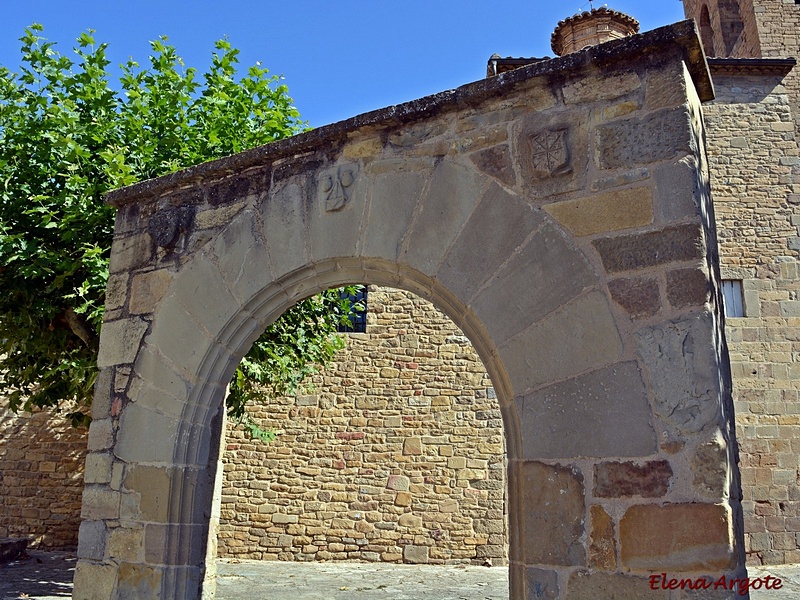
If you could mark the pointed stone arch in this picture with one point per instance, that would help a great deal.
(559, 217)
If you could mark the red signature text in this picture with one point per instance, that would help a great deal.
(742, 585)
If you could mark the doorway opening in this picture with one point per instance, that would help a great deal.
(394, 453)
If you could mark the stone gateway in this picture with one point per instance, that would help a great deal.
(521, 206)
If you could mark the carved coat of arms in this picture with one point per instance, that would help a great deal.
(549, 153)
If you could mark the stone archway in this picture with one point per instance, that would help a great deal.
(557, 214)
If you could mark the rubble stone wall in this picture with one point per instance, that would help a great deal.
(41, 479)
(778, 24)
(399, 446)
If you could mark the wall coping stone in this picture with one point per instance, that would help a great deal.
(683, 34)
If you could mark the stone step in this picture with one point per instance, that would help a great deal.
(12, 548)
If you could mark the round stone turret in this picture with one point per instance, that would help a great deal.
(590, 28)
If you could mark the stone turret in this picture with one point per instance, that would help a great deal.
(590, 28)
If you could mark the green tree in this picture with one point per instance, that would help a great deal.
(66, 138)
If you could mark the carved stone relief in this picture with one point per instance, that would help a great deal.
(336, 186)
(550, 153)
(169, 225)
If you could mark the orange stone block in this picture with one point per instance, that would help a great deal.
(677, 537)
(602, 545)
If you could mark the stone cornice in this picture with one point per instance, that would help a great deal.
(750, 66)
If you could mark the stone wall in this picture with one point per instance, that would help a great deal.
(753, 155)
(41, 478)
(397, 455)
(778, 24)
(400, 445)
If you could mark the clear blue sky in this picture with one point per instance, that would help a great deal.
(339, 58)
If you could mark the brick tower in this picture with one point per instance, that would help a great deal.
(591, 28)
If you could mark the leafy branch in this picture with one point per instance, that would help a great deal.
(66, 138)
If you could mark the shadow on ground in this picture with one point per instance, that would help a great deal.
(39, 575)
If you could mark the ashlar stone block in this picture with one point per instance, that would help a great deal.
(605, 87)
(583, 416)
(283, 215)
(552, 152)
(398, 483)
(216, 218)
(410, 521)
(153, 483)
(416, 554)
(101, 434)
(393, 199)
(242, 257)
(665, 86)
(541, 583)
(639, 251)
(103, 390)
(676, 537)
(639, 296)
(157, 447)
(602, 541)
(126, 544)
(179, 338)
(147, 289)
(620, 479)
(203, 292)
(687, 287)
(584, 585)
(119, 341)
(98, 468)
(139, 582)
(95, 581)
(99, 503)
(677, 190)
(552, 498)
(151, 368)
(498, 226)
(116, 291)
(711, 467)
(335, 213)
(92, 540)
(496, 161)
(641, 140)
(611, 211)
(412, 446)
(545, 274)
(681, 363)
(130, 252)
(453, 193)
(582, 335)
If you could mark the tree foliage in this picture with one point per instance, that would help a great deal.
(66, 138)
